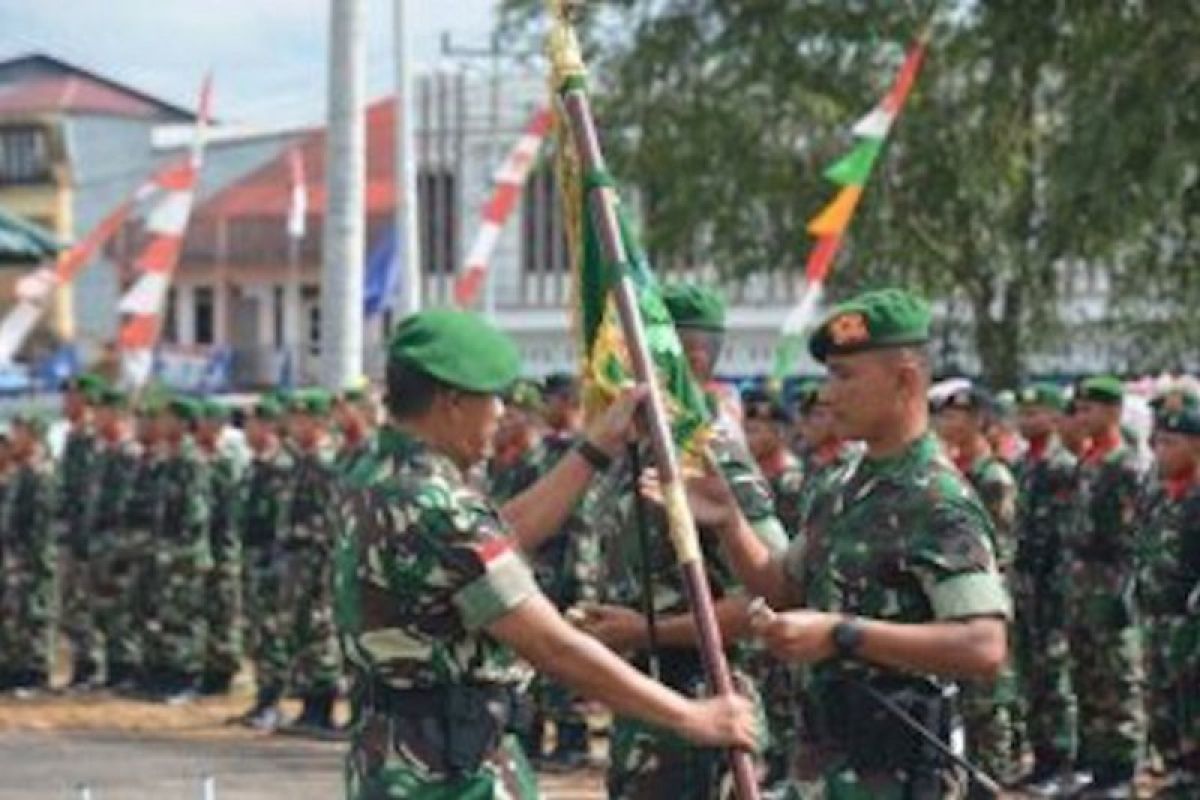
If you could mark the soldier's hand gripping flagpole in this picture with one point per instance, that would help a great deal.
(568, 74)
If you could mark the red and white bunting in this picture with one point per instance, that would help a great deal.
(510, 181)
(298, 211)
(166, 223)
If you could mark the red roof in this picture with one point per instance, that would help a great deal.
(39, 83)
(268, 190)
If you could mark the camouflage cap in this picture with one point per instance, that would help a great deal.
(696, 307)
(1043, 394)
(872, 321)
(1185, 421)
(1102, 389)
(458, 348)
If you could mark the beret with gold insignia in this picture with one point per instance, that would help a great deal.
(457, 348)
(874, 320)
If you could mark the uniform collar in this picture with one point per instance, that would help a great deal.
(394, 443)
(1102, 447)
(777, 463)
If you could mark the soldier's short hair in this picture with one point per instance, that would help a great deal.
(410, 392)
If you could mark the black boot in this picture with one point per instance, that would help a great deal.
(316, 718)
(265, 714)
(83, 674)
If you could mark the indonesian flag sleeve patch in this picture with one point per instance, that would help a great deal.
(503, 583)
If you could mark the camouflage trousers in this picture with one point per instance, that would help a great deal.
(1044, 671)
(27, 611)
(314, 659)
(1107, 668)
(77, 618)
(988, 725)
(175, 640)
(223, 609)
(382, 766)
(649, 763)
(1174, 693)
(827, 775)
(778, 685)
(266, 624)
(121, 569)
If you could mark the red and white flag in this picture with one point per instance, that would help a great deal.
(298, 210)
(166, 222)
(510, 182)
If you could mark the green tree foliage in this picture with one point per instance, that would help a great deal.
(1040, 137)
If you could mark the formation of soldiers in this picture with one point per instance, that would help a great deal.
(169, 559)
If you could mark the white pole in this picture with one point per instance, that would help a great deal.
(208, 788)
(342, 268)
(408, 240)
(84, 791)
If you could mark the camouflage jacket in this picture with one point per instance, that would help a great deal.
(614, 516)
(141, 505)
(28, 511)
(1046, 509)
(506, 481)
(310, 521)
(424, 564)
(108, 495)
(566, 563)
(1169, 555)
(225, 503)
(183, 508)
(997, 489)
(903, 539)
(75, 473)
(1111, 490)
(268, 497)
(785, 477)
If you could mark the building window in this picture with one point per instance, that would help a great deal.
(24, 155)
(543, 241)
(277, 315)
(205, 306)
(310, 300)
(170, 329)
(438, 219)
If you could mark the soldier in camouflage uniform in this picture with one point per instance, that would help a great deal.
(354, 415)
(1169, 566)
(116, 551)
(307, 542)
(268, 496)
(1046, 511)
(75, 472)
(182, 559)
(565, 567)
(27, 561)
(513, 466)
(766, 423)
(963, 418)
(824, 452)
(1105, 646)
(223, 586)
(433, 594)
(892, 575)
(644, 761)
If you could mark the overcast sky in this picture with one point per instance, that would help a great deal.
(267, 56)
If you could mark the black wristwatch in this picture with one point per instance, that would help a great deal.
(593, 455)
(847, 637)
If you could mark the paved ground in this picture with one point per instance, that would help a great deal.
(123, 750)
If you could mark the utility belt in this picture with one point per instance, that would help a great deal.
(841, 715)
(452, 729)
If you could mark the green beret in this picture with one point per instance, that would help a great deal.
(1043, 394)
(111, 397)
(314, 401)
(872, 321)
(151, 404)
(352, 396)
(268, 408)
(457, 348)
(185, 408)
(1186, 421)
(696, 307)
(525, 395)
(1103, 389)
(214, 411)
(89, 384)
